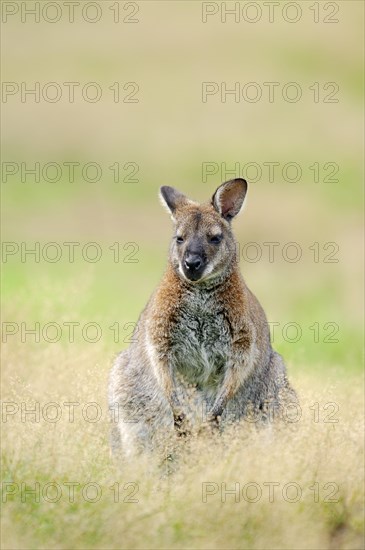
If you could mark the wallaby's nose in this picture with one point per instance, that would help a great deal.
(193, 262)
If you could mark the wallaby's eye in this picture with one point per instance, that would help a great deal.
(179, 239)
(216, 239)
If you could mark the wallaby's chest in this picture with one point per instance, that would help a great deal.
(200, 343)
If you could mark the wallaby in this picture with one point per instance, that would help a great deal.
(202, 343)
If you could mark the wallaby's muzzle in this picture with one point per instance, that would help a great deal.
(193, 266)
(194, 259)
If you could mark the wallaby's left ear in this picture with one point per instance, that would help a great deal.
(228, 198)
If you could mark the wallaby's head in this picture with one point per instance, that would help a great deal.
(203, 246)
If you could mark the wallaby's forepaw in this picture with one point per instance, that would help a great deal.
(214, 420)
(211, 425)
(181, 425)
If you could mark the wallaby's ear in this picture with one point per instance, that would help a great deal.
(228, 198)
(172, 199)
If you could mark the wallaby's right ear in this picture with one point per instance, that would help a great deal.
(228, 198)
(172, 199)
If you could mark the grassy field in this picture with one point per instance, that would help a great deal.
(299, 488)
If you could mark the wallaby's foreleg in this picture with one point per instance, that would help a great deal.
(167, 383)
(228, 389)
(236, 374)
(165, 378)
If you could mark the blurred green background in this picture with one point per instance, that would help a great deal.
(163, 53)
(168, 134)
